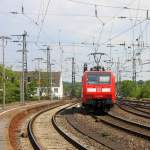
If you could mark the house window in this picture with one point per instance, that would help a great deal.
(55, 90)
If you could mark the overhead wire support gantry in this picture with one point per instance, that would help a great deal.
(4, 38)
(24, 73)
(39, 59)
(49, 74)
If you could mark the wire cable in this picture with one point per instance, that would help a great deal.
(118, 7)
(43, 20)
(123, 32)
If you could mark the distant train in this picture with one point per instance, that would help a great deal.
(98, 88)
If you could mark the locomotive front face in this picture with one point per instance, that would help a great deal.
(98, 87)
(98, 83)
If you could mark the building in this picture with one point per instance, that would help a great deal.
(57, 84)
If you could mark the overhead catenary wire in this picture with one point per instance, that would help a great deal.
(106, 23)
(43, 20)
(28, 14)
(109, 6)
(40, 9)
(123, 32)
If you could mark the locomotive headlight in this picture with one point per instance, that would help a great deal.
(106, 90)
(91, 89)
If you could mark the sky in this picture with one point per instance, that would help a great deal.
(81, 27)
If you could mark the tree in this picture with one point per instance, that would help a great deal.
(12, 85)
(74, 91)
(137, 90)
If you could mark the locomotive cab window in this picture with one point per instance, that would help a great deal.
(99, 78)
(93, 79)
(104, 79)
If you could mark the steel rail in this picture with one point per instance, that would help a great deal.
(137, 111)
(75, 143)
(136, 108)
(136, 101)
(129, 125)
(90, 137)
(62, 133)
(33, 140)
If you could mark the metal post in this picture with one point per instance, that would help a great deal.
(118, 66)
(51, 82)
(73, 76)
(39, 80)
(4, 76)
(23, 85)
(25, 65)
(48, 70)
(39, 76)
(4, 73)
(24, 69)
(73, 71)
(22, 78)
(134, 66)
(51, 97)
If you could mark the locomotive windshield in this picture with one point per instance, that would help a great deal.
(99, 78)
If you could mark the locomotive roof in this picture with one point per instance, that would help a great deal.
(86, 72)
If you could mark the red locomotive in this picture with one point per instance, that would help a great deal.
(98, 88)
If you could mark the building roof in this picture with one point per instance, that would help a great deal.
(34, 75)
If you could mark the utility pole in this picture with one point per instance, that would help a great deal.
(73, 71)
(134, 66)
(51, 82)
(23, 85)
(118, 78)
(73, 76)
(3, 38)
(49, 74)
(62, 55)
(39, 75)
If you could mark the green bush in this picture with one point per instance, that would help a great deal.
(12, 83)
(137, 90)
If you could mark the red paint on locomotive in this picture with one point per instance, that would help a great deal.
(98, 88)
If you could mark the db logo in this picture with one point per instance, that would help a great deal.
(98, 89)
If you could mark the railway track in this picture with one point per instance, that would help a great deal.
(35, 144)
(9, 122)
(44, 130)
(134, 110)
(18, 134)
(92, 135)
(137, 101)
(37, 141)
(74, 142)
(139, 104)
(134, 128)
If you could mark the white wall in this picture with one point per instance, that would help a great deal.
(58, 94)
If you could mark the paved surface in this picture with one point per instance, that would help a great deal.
(5, 118)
